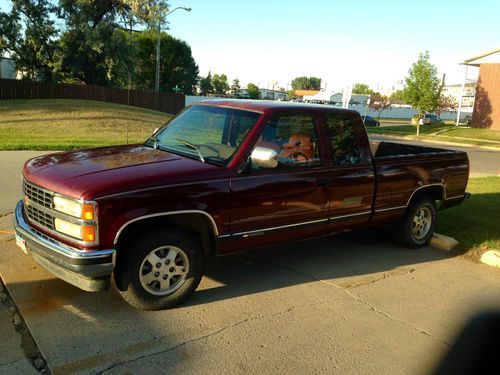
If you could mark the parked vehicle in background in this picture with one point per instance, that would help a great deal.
(370, 121)
(221, 177)
(468, 119)
(429, 118)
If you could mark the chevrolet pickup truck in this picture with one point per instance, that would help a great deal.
(224, 176)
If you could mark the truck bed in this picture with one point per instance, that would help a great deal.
(382, 149)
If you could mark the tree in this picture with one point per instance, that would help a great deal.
(178, 70)
(446, 104)
(28, 33)
(306, 83)
(148, 12)
(93, 49)
(253, 91)
(423, 88)
(379, 102)
(220, 84)
(235, 88)
(362, 89)
(397, 97)
(206, 86)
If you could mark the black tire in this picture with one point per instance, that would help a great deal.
(133, 269)
(417, 226)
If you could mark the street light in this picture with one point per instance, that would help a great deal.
(157, 78)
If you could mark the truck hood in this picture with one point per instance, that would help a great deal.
(90, 174)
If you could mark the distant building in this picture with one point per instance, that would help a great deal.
(266, 94)
(273, 94)
(7, 68)
(336, 98)
(486, 112)
(455, 91)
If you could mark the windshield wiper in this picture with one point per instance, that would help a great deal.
(155, 142)
(192, 146)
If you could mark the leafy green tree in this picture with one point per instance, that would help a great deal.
(147, 12)
(28, 33)
(397, 97)
(423, 88)
(306, 83)
(253, 91)
(235, 88)
(178, 70)
(220, 84)
(362, 89)
(206, 86)
(93, 49)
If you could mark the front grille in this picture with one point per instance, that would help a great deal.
(35, 194)
(39, 217)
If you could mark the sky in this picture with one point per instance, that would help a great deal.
(342, 42)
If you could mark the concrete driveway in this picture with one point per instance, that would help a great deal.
(349, 304)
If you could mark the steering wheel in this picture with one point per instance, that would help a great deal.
(298, 157)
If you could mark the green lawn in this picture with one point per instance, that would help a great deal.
(59, 124)
(485, 134)
(476, 222)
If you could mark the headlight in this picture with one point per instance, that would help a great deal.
(74, 208)
(86, 233)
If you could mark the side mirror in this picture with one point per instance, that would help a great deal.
(264, 157)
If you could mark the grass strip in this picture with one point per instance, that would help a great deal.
(475, 223)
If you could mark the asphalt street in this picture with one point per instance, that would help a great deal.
(350, 304)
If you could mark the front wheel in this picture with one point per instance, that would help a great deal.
(417, 225)
(160, 270)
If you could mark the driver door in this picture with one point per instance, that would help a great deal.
(289, 201)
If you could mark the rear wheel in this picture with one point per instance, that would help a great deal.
(417, 225)
(160, 270)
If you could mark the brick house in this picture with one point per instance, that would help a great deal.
(486, 112)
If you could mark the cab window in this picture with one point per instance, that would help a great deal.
(342, 140)
(294, 138)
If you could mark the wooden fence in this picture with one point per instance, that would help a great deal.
(22, 89)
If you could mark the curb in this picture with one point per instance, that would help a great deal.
(442, 242)
(491, 258)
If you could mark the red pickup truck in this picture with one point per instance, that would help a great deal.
(224, 176)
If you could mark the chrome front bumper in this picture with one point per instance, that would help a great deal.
(87, 270)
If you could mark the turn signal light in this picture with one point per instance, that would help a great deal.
(87, 212)
(88, 234)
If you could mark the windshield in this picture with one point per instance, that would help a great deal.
(209, 134)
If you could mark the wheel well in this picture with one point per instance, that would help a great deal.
(436, 192)
(198, 224)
